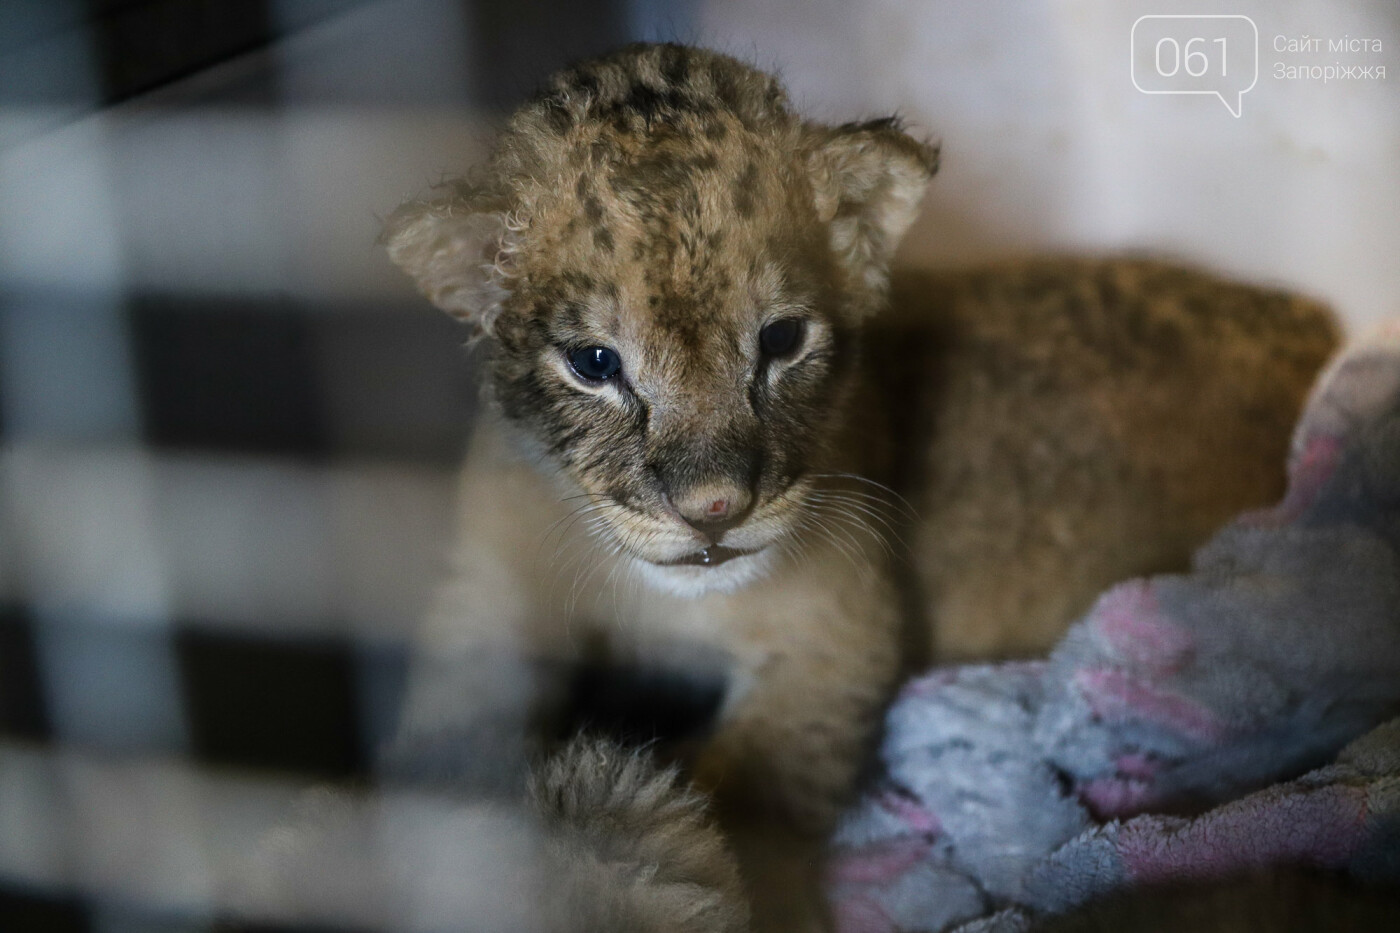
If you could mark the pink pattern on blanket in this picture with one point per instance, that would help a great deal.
(1116, 797)
(877, 864)
(909, 812)
(1127, 793)
(858, 914)
(1129, 621)
(1116, 695)
(1322, 827)
(1137, 765)
(1306, 476)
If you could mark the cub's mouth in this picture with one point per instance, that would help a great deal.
(711, 556)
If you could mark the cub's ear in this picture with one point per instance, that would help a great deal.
(868, 179)
(456, 248)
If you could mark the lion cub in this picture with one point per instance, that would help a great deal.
(708, 447)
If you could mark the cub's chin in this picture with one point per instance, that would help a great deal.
(713, 570)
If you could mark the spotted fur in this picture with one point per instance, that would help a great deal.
(1016, 438)
(666, 203)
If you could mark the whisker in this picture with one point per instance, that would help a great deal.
(862, 525)
(578, 546)
(646, 536)
(840, 546)
(867, 498)
(885, 521)
(596, 528)
(563, 525)
(580, 551)
(829, 536)
(856, 477)
(591, 566)
(832, 515)
(796, 543)
(612, 550)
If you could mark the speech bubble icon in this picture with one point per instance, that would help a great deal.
(1207, 54)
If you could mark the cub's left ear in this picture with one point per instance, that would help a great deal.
(868, 179)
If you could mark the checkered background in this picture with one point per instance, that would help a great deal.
(228, 434)
(229, 430)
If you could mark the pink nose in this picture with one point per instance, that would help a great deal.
(713, 508)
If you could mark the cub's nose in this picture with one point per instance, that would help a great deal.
(712, 508)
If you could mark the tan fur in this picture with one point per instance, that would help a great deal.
(977, 460)
(631, 848)
(1070, 423)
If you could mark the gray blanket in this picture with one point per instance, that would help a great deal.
(1225, 696)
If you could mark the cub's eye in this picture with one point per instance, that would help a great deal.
(595, 364)
(781, 337)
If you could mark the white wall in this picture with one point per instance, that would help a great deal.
(1048, 145)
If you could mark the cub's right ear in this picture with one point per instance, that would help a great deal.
(456, 249)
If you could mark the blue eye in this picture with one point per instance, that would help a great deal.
(781, 337)
(595, 364)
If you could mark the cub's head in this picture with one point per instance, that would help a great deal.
(672, 268)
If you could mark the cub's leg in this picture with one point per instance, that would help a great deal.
(785, 759)
(496, 640)
(812, 653)
(814, 658)
(629, 847)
